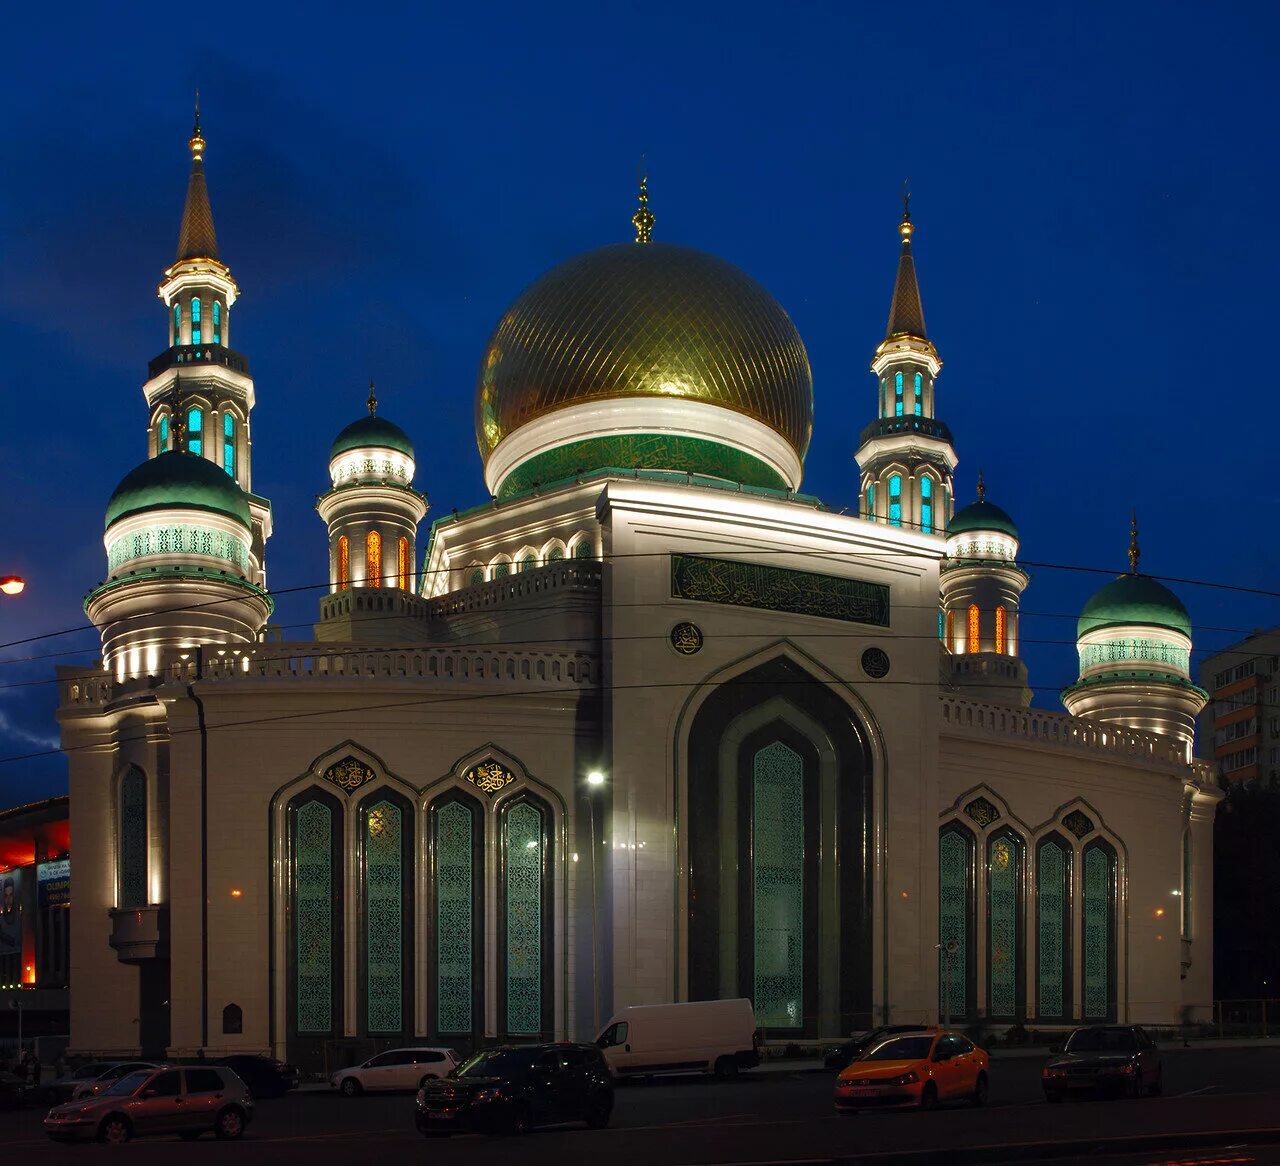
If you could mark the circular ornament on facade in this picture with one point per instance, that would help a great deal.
(875, 663)
(686, 638)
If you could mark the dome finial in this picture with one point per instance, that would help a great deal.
(643, 218)
(982, 488)
(197, 138)
(1134, 550)
(373, 400)
(906, 227)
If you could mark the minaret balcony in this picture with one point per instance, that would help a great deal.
(140, 933)
(181, 355)
(892, 426)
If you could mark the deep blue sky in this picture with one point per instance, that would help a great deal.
(1094, 189)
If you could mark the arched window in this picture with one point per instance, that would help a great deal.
(315, 918)
(501, 570)
(942, 626)
(555, 555)
(217, 322)
(1098, 932)
(528, 563)
(477, 576)
(386, 901)
(456, 964)
(1005, 943)
(951, 630)
(177, 323)
(584, 550)
(195, 430)
(871, 502)
(373, 559)
(926, 504)
(195, 321)
(232, 1020)
(955, 922)
(525, 919)
(344, 562)
(972, 642)
(919, 395)
(229, 444)
(1186, 884)
(895, 499)
(163, 441)
(897, 394)
(133, 839)
(402, 563)
(1001, 629)
(1053, 929)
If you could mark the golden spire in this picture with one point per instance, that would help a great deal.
(1134, 550)
(643, 218)
(373, 400)
(196, 238)
(197, 138)
(905, 228)
(982, 488)
(906, 311)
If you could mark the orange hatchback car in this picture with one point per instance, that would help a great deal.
(915, 1069)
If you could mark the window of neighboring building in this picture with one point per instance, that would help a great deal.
(373, 559)
(195, 321)
(919, 395)
(1001, 629)
(897, 394)
(344, 562)
(971, 643)
(217, 322)
(926, 504)
(895, 499)
(229, 444)
(195, 430)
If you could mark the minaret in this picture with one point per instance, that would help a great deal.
(905, 455)
(199, 372)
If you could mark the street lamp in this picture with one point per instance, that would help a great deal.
(12, 584)
(595, 780)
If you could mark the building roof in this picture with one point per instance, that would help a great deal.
(196, 238)
(371, 432)
(906, 312)
(1134, 599)
(981, 515)
(180, 480)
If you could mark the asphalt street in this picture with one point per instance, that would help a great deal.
(762, 1118)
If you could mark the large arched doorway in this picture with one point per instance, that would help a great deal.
(779, 829)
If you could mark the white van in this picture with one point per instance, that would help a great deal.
(702, 1036)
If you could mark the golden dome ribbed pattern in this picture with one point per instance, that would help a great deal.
(645, 320)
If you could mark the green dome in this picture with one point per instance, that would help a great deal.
(373, 431)
(1134, 599)
(981, 515)
(178, 480)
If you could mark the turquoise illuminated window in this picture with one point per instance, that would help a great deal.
(1004, 925)
(942, 626)
(177, 323)
(195, 430)
(1053, 930)
(926, 504)
(524, 835)
(456, 916)
(229, 444)
(919, 394)
(195, 321)
(164, 432)
(871, 502)
(777, 878)
(315, 881)
(895, 499)
(384, 915)
(955, 920)
(1098, 933)
(897, 394)
(217, 324)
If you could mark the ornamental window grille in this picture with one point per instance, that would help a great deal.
(217, 322)
(528, 563)
(315, 883)
(1004, 925)
(1079, 823)
(895, 499)
(926, 503)
(477, 576)
(1186, 884)
(897, 394)
(349, 774)
(982, 811)
(344, 561)
(163, 441)
(177, 324)
(1053, 930)
(501, 570)
(195, 430)
(490, 776)
(1098, 932)
(402, 563)
(195, 321)
(972, 643)
(942, 626)
(584, 550)
(229, 443)
(373, 559)
(951, 630)
(871, 502)
(955, 920)
(385, 832)
(777, 884)
(179, 539)
(555, 555)
(133, 838)
(919, 395)
(1002, 629)
(457, 915)
(524, 843)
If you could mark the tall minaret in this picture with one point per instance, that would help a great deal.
(905, 455)
(199, 373)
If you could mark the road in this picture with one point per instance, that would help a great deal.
(762, 1118)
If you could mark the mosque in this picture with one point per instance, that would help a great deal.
(652, 724)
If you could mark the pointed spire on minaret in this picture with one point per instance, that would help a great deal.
(196, 239)
(982, 488)
(1134, 549)
(373, 400)
(906, 313)
(643, 220)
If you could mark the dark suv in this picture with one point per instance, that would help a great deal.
(511, 1089)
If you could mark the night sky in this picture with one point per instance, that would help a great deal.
(1094, 191)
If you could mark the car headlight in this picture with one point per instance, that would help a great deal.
(908, 1078)
(1127, 1067)
(493, 1094)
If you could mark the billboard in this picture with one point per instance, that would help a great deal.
(11, 913)
(53, 883)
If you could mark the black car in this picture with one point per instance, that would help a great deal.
(1105, 1058)
(838, 1056)
(264, 1076)
(511, 1089)
(13, 1091)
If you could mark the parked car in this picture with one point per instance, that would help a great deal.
(63, 1087)
(265, 1076)
(108, 1077)
(515, 1088)
(704, 1036)
(186, 1101)
(1105, 1058)
(919, 1069)
(838, 1056)
(13, 1091)
(396, 1069)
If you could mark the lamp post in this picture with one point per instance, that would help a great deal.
(595, 780)
(12, 584)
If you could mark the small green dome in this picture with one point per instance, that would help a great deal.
(178, 480)
(372, 431)
(1134, 599)
(981, 515)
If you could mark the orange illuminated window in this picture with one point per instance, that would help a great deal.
(402, 564)
(373, 559)
(1001, 626)
(951, 630)
(971, 641)
(344, 562)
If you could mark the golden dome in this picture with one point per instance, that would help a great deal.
(652, 320)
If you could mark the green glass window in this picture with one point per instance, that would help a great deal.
(164, 432)
(555, 555)
(777, 878)
(895, 499)
(1004, 913)
(477, 576)
(133, 839)
(455, 917)
(229, 444)
(528, 563)
(177, 323)
(524, 912)
(1186, 884)
(942, 626)
(926, 504)
(871, 502)
(1097, 934)
(897, 394)
(384, 916)
(1053, 924)
(584, 550)
(313, 914)
(195, 321)
(217, 322)
(919, 395)
(955, 880)
(501, 570)
(195, 430)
